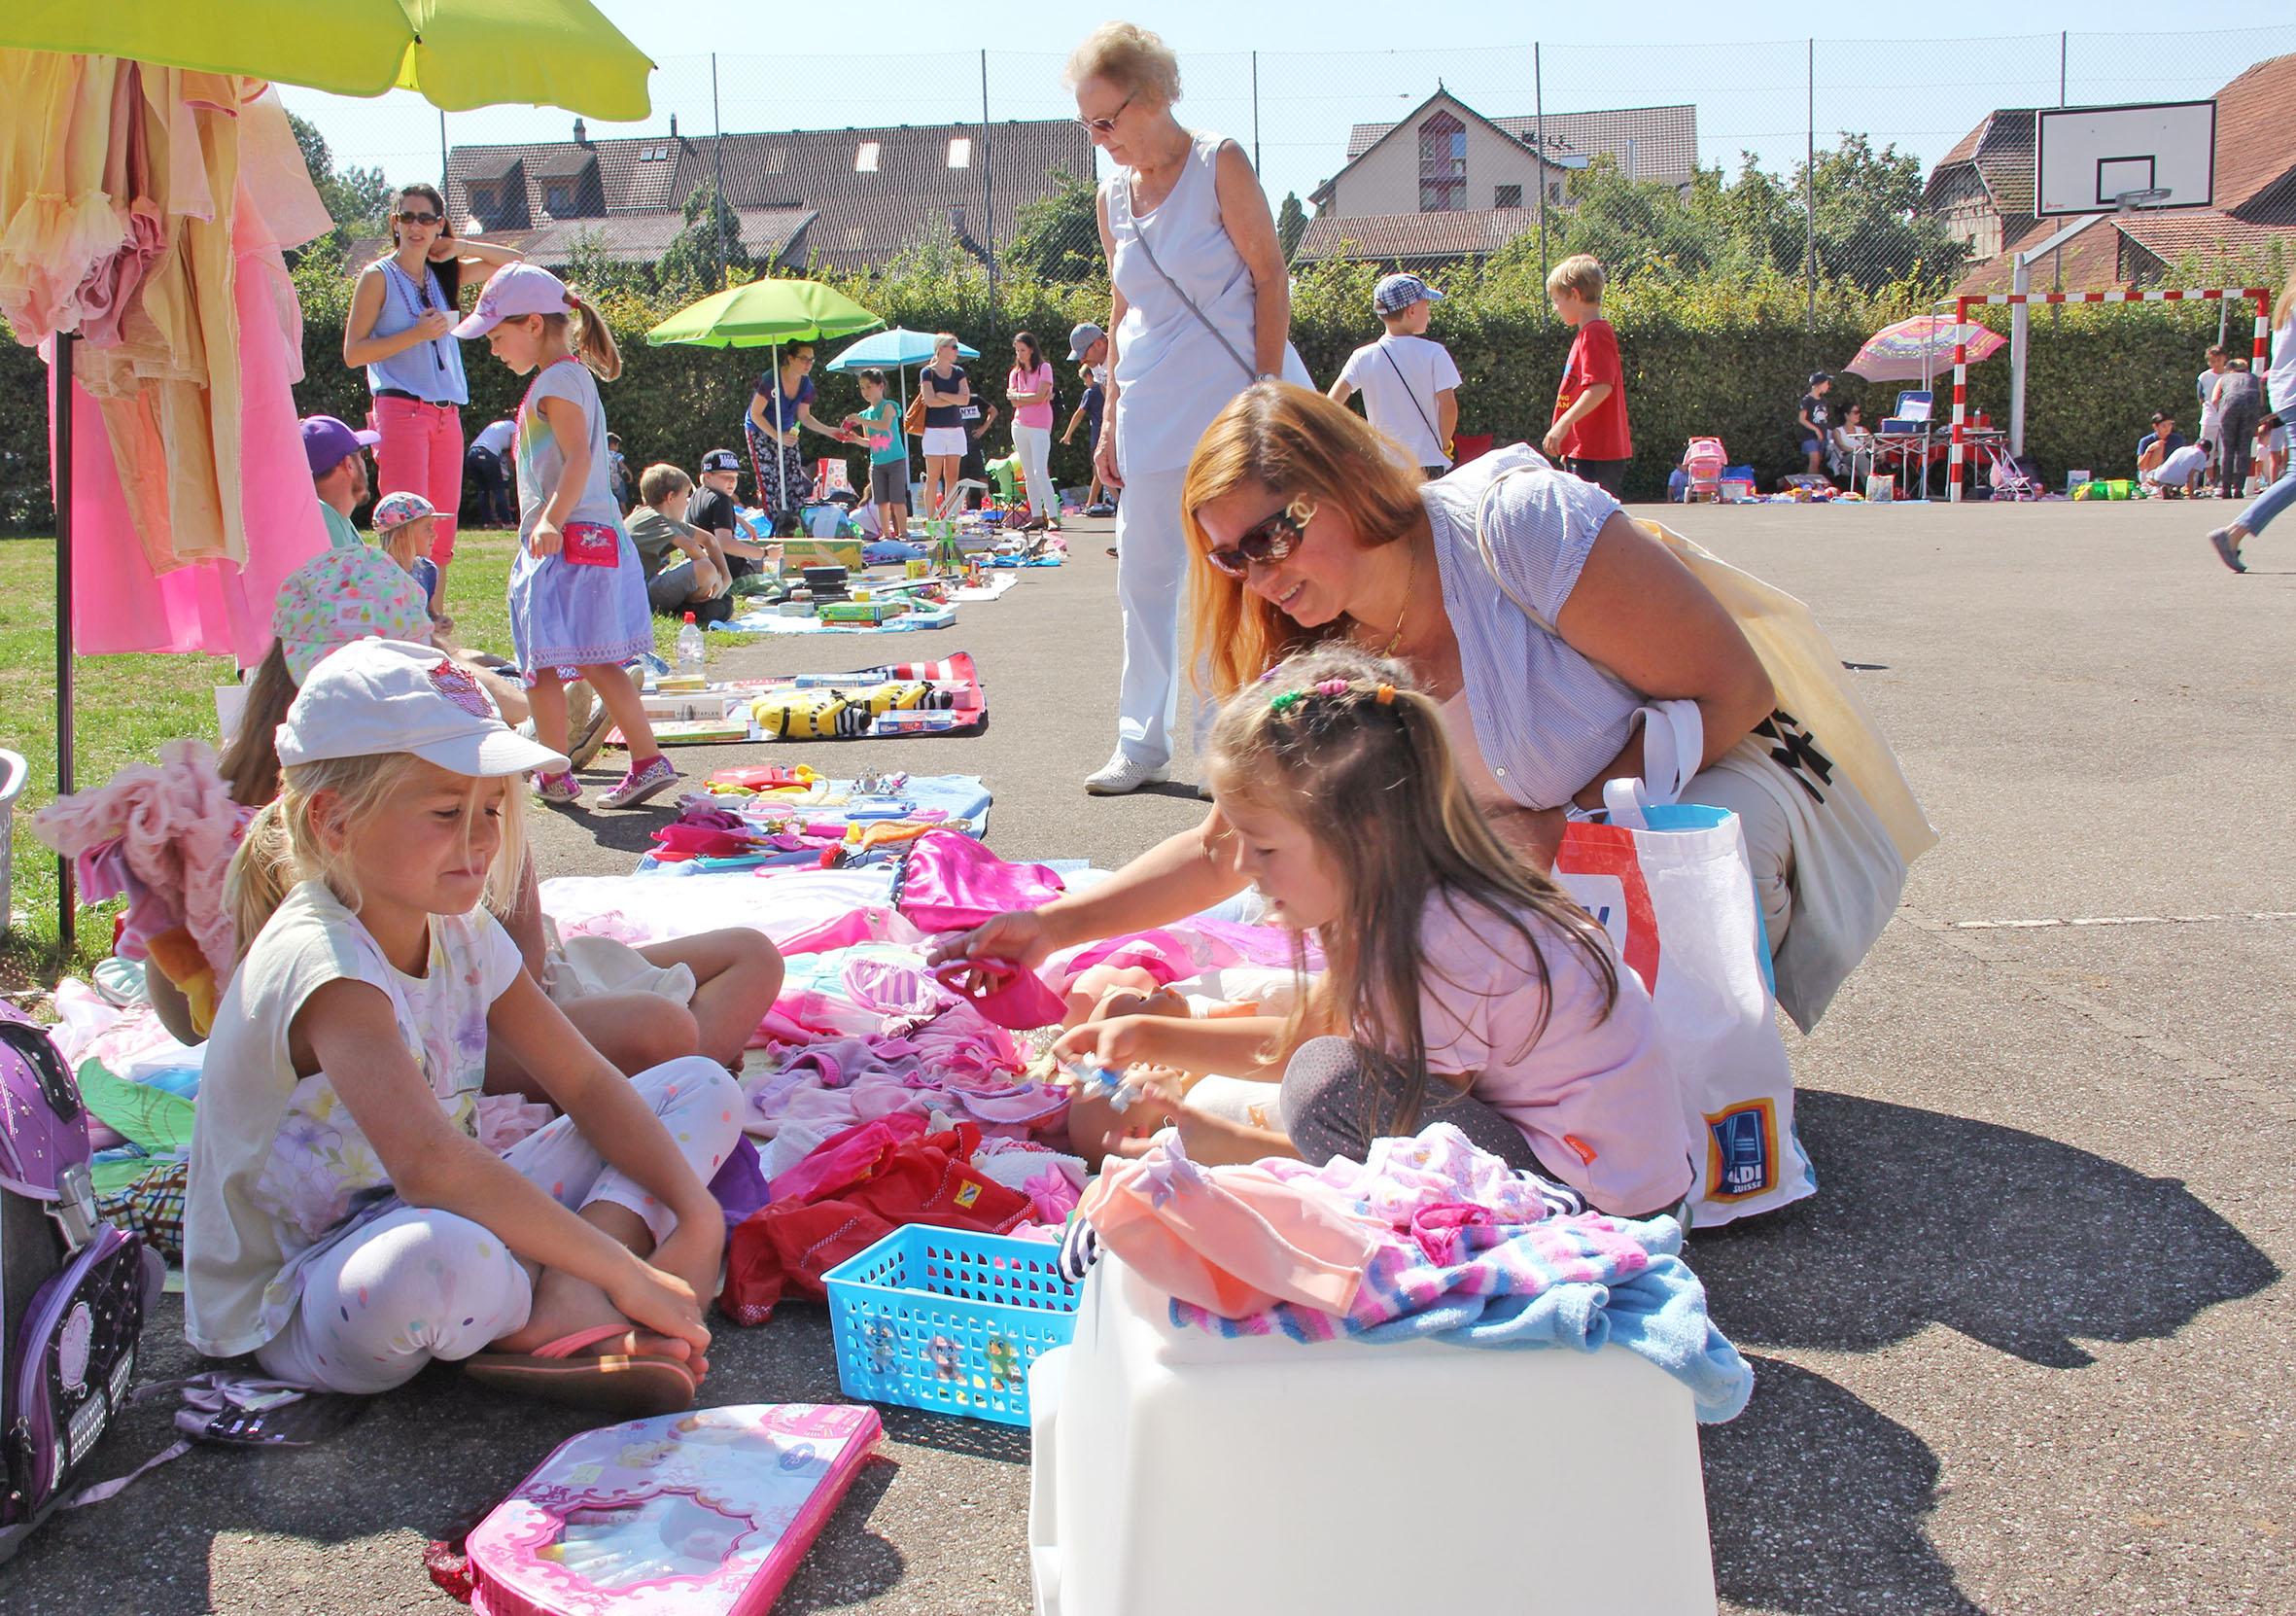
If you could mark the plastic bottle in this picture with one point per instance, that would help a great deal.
(690, 655)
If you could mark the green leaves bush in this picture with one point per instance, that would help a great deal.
(1706, 354)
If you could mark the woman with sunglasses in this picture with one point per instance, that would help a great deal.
(780, 403)
(400, 313)
(1546, 624)
(1203, 308)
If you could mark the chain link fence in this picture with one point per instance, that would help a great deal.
(1814, 163)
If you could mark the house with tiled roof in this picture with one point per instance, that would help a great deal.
(1446, 182)
(844, 199)
(1983, 188)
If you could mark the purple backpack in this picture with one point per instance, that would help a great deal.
(73, 1290)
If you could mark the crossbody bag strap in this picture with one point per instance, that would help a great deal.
(1141, 235)
(1389, 354)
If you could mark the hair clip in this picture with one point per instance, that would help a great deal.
(1331, 688)
(1287, 701)
(1384, 695)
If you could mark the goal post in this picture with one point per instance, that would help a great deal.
(1957, 454)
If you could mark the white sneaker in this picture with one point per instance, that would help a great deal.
(1123, 774)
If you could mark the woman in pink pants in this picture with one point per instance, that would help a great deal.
(400, 312)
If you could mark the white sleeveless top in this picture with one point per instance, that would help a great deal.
(1172, 374)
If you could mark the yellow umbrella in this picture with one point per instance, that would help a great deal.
(456, 53)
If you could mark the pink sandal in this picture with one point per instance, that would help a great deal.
(627, 1385)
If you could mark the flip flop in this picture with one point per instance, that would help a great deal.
(623, 1384)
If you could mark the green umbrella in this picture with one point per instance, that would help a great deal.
(456, 53)
(765, 314)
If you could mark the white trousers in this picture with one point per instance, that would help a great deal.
(418, 1283)
(1151, 577)
(1035, 446)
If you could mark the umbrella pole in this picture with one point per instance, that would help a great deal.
(66, 906)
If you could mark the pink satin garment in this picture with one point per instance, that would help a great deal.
(1007, 992)
(951, 883)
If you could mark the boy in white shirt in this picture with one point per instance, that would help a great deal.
(1409, 386)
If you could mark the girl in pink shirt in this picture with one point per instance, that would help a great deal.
(1460, 985)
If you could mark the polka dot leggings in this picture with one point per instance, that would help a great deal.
(418, 1283)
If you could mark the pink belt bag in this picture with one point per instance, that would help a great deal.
(592, 545)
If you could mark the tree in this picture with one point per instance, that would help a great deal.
(1057, 236)
(1291, 224)
(712, 228)
(357, 199)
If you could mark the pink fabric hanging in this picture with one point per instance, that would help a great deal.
(119, 604)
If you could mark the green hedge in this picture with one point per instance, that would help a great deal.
(1702, 359)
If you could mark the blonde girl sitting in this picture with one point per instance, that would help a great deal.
(343, 1223)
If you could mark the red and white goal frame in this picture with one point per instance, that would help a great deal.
(1956, 457)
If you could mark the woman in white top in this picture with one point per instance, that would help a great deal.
(1203, 308)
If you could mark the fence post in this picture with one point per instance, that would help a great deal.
(1539, 167)
(2057, 258)
(717, 180)
(441, 150)
(987, 187)
(1256, 113)
(1810, 182)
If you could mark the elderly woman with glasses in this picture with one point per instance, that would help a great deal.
(1203, 308)
(778, 408)
(1548, 625)
(397, 328)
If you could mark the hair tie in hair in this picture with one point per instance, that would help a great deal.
(1287, 701)
(1384, 695)
(1331, 688)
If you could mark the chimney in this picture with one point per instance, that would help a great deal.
(672, 125)
(581, 133)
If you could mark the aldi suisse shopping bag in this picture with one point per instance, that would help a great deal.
(1676, 897)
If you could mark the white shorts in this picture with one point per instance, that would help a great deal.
(945, 441)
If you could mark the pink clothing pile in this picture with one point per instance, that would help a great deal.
(163, 837)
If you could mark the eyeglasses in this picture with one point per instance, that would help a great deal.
(419, 218)
(1268, 542)
(1107, 124)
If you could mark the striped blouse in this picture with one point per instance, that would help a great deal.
(1546, 717)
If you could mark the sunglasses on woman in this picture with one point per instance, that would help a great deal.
(1268, 542)
(1107, 124)
(418, 218)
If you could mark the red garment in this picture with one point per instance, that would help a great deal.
(1601, 433)
(888, 1172)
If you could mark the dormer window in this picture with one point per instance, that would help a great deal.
(960, 152)
(865, 158)
(558, 198)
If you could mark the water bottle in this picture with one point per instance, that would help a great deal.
(690, 655)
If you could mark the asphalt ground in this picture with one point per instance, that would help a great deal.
(2027, 1350)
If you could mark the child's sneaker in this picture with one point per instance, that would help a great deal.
(657, 774)
(558, 788)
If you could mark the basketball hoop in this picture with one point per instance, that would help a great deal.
(2153, 197)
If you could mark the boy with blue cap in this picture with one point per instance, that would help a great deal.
(1410, 385)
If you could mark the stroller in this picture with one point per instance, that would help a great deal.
(1704, 458)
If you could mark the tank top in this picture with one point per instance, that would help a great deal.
(1172, 374)
(431, 370)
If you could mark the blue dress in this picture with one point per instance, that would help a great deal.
(564, 616)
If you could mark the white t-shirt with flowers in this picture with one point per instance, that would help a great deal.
(279, 1170)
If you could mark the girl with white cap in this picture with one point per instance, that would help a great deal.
(343, 1222)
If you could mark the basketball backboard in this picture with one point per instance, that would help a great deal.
(2098, 160)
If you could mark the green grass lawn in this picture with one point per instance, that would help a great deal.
(126, 706)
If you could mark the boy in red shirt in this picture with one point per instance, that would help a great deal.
(1590, 434)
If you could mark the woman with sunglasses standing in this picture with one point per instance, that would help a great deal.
(1202, 309)
(401, 311)
(1555, 635)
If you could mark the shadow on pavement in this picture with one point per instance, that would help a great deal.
(1815, 1504)
(2017, 1240)
(847, 1563)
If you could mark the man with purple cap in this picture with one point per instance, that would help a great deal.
(338, 471)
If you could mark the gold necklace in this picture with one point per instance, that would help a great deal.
(1410, 579)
